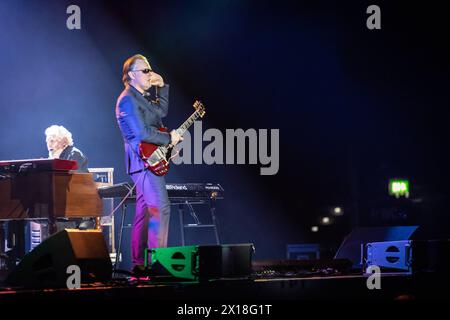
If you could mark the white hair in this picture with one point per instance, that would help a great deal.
(60, 133)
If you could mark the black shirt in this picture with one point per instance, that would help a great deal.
(72, 153)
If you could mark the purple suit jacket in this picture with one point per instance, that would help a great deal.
(139, 120)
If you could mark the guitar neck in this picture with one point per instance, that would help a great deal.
(185, 126)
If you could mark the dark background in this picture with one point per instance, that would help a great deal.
(354, 106)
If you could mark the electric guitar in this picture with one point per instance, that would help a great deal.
(156, 157)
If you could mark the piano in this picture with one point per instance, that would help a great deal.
(46, 188)
(35, 165)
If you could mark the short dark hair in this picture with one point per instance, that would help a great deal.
(128, 66)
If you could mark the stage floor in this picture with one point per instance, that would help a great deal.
(248, 290)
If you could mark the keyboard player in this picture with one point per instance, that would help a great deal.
(60, 146)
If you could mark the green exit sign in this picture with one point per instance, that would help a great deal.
(399, 188)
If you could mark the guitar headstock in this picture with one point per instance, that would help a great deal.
(200, 108)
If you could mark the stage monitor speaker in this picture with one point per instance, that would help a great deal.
(353, 245)
(203, 262)
(408, 256)
(46, 265)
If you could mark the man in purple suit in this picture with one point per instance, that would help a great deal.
(139, 118)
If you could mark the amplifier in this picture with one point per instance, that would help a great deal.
(201, 262)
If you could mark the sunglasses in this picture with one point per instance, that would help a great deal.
(144, 70)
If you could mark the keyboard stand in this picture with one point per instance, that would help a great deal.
(197, 224)
(122, 226)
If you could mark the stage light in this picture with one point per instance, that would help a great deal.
(314, 229)
(337, 211)
(326, 220)
(399, 188)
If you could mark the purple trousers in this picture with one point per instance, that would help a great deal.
(151, 221)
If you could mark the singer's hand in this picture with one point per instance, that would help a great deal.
(175, 137)
(156, 80)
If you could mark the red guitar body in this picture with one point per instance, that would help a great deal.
(156, 157)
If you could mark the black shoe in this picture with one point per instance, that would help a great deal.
(140, 271)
